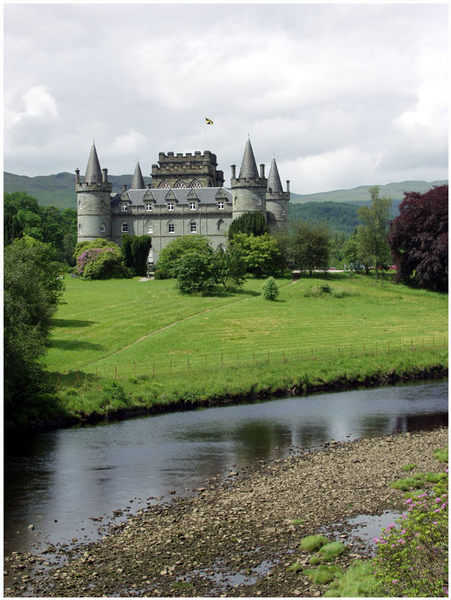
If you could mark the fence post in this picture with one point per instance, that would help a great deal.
(170, 367)
(134, 368)
(153, 369)
(222, 359)
(253, 359)
(189, 367)
(268, 357)
(115, 370)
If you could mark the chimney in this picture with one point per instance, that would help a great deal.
(148, 186)
(124, 187)
(77, 176)
(104, 175)
(288, 186)
(262, 171)
(233, 167)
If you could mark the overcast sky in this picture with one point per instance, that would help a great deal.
(341, 95)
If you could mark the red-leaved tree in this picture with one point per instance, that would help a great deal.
(418, 239)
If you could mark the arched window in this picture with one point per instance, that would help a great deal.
(164, 185)
(150, 228)
(220, 223)
(180, 184)
(79, 228)
(124, 228)
(102, 228)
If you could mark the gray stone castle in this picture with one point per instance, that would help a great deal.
(187, 196)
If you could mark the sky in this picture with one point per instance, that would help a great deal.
(341, 95)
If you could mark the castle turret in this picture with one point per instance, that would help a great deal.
(249, 189)
(276, 199)
(93, 201)
(137, 179)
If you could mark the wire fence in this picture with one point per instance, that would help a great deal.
(202, 364)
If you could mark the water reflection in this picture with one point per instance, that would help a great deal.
(60, 481)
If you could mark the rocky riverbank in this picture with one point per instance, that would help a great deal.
(236, 537)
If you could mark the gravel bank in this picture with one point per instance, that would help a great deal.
(236, 537)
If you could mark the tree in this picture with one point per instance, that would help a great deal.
(100, 259)
(176, 249)
(32, 290)
(230, 267)
(261, 253)
(351, 254)
(418, 239)
(309, 246)
(135, 250)
(195, 272)
(373, 248)
(250, 223)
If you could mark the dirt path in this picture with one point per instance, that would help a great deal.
(236, 538)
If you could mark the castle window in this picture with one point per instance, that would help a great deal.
(220, 205)
(220, 223)
(164, 185)
(283, 212)
(148, 206)
(124, 207)
(170, 206)
(192, 206)
(195, 184)
(124, 228)
(193, 227)
(102, 228)
(180, 184)
(150, 228)
(171, 228)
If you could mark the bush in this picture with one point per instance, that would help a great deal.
(323, 574)
(170, 254)
(332, 550)
(357, 581)
(270, 289)
(195, 273)
(102, 261)
(412, 553)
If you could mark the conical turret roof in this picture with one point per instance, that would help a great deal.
(248, 168)
(274, 184)
(137, 179)
(93, 171)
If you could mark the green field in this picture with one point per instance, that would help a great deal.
(161, 346)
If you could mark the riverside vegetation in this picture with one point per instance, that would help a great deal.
(130, 345)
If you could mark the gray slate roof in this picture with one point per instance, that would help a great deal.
(178, 195)
(248, 168)
(274, 183)
(93, 171)
(137, 179)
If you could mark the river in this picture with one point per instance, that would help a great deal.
(65, 484)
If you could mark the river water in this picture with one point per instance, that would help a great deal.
(65, 484)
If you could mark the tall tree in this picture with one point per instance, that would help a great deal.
(419, 239)
(372, 235)
(309, 246)
(32, 289)
(250, 223)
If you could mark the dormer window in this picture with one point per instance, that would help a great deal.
(192, 206)
(221, 205)
(124, 207)
(170, 206)
(148, 206)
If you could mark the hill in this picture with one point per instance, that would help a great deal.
(56, 190)
(360, 195)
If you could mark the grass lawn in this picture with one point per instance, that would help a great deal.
(130, 329)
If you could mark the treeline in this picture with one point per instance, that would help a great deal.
(338, 217)
(47, 224)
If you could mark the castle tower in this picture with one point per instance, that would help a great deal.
(249, 189)
(93, 201)
(188, 170)
(137, 179)
(276, 199)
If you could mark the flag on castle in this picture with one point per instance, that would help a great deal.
(208, 121)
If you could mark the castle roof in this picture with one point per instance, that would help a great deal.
(137, 179)
(184, 196)
(248, 168)
(274, 184)
(93, 171)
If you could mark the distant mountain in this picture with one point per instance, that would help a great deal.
(56, 190)
(361, 195)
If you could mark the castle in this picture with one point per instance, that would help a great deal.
(187, 196)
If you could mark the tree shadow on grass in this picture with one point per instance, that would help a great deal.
(72, 323)
(75, 345)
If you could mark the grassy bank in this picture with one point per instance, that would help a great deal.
(131, 344)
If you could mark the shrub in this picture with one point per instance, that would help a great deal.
(270, 289)
(313, 542)
(195, 273)
(295, 568)
(100, 259)
(170, 254)
(441, 455)
(409, 467)
(412, 553)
